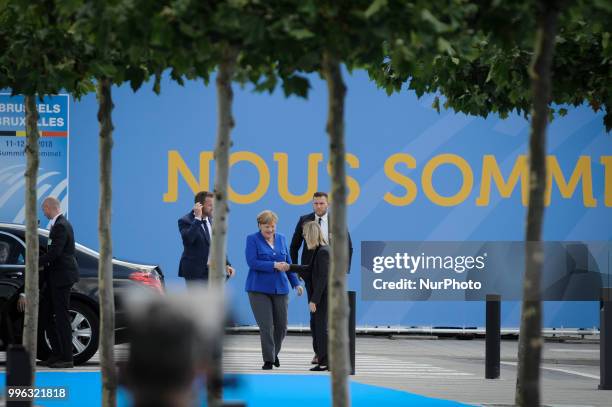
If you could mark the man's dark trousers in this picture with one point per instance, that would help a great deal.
(55, 319)
(192, 281)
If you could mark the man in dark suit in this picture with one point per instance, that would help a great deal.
(320, 214)
(60, 272)
(196, 234)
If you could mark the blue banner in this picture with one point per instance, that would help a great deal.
(53, 146)
(413, 175)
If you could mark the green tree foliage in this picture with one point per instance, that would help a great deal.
(493, 76)
(39, 54)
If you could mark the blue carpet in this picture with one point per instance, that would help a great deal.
(256, 390)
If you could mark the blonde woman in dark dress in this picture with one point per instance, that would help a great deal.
(317, 272)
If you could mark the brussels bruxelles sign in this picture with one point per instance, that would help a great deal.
(53, 147)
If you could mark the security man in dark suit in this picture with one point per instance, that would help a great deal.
(320, 205)
(60, 272)
(196, 234)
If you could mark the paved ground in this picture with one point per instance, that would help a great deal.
(570, 373)
(442, 368)
(445, 368)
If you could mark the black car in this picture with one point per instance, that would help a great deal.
(84, 306)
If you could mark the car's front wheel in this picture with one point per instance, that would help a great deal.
(85, 334)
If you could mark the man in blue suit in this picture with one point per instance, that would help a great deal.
(196, 233)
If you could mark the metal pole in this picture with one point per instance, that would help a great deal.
(17, 372)
(352, 317)
(493, 337)
(605, 339)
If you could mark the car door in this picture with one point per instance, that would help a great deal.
(12, 272)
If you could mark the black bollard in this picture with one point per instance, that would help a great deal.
(351, 330)
(605, 339)
(17, 372)
(493, 337)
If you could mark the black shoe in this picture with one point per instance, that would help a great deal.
(319, 368)
(62, 364)
(50, 361)
(267, 366)
(277, 362)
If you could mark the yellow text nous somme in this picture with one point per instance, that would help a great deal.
(397, 168)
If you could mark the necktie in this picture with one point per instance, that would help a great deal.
(206, 232)
(209, 225)
(320, 221)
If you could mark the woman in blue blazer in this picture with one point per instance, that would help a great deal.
(268, 285)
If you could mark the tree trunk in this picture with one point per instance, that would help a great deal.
(225, 123)
(105, 268)
(530, 338)
(30, 325)
(337, 299)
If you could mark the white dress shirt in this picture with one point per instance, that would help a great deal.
(209, 226)
(324, 225)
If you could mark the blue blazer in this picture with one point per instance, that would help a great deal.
(260, 257)
(194, 260)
